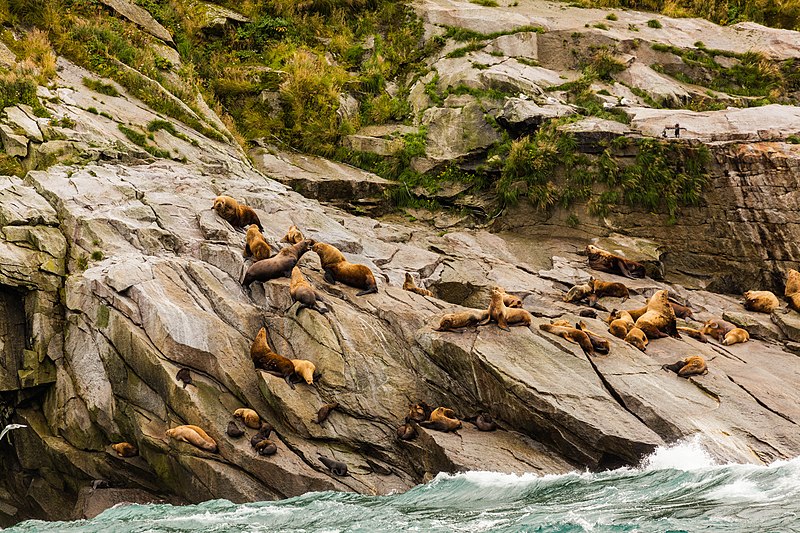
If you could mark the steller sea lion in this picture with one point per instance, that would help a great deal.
(571, 334)
(484, 422)
(505, 316)
(301, 291)
(442, 419)
(233, 430)
(681, 311)
(510, 300)
(324, 411)
(304, 369)
(694, 333)
(266, 447)
(792, 282)
(599, 344)
(265, 359)
(760, 301)
(409, 285)
(293, 236)
(454, 321)
(599, 259)
(263, 433)
(185, 376)
(125, 449)
(239, 216)
(337, 467)
(337, 268)
(587, 313)
(794, 301)
(716, 328)
(602, 288)
(637, 338)
(578, 293)
(659, 319)
(419, 412)
(249, 417)
(276, 267)
(690, 366)
(194, 435)
(736, 336)
(620, 322)
(255, 244)
(406, 431)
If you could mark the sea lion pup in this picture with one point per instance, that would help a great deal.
(716, 328)
(194, 435)
(125, 449)
(690, 366)
(463, 319)
(694, 333)
(337, 467)
(324, 411)
(305, 369)
(620, 322)
(442, 419)
(301, 291)
(280, 265)
(599, 344)
(233, 430)
(266, 447)
(505, 316)
(255, 244)
(659, 319)
(337, 268)
(736, 336)
(578, 293)
(602, 288)
(419, 412)
(637, 338)
(599, 259)
(406, 431)
(681, 311)
(293, 236)
(185, 376)
(483, 421)
(410, 286)
(239, 216)
(249, 417)
(760, 301)
(571, 334)
(587, 313)
(265, 359)
(263, 433)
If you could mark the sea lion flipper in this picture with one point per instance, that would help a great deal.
(329, 277)
(623, 269)
(371, 290)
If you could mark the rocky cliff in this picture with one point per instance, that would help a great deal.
(115, 273)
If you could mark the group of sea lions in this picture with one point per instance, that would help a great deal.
(439, 419)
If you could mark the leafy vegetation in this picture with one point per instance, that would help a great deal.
(101, 87)
(140, 139)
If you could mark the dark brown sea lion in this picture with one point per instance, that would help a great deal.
(237, 215)
(484, 422)
(234, 431)
(185, 376)
(263, 433)
(324, 411)
(337, 268)
(681, 311)
(265, 359)
(337, 467)
(266, 447)
(419, 412)
(587, 313)
(604, 261)
(406, 432)
(690, 366)
(276, 267)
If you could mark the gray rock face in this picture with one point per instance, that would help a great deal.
(140, 16)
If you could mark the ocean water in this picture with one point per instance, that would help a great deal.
(678, 488)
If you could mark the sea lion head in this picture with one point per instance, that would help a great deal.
(225, 206)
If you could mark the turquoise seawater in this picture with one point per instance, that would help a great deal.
(676, 489)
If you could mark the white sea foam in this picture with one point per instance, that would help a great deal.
(684, 455)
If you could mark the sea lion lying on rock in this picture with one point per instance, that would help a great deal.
(263, 433)
(463, 319)
(716, 328)
(483, 421)
(305, 369)
(265, 359)
(442, 419)
(681, 311)
(578, 293)
(410, 286)
(599, 344)
(760, 301)
(249, 417)
(571, 334)
(694, 333)
(637, 338)
(659, 319)
(619, 323)
(337, 268)
(690, 366)
(736, 336)
(792, 289)
(233, 430)
(419, 412)
(279, 266)
(194, 435)
(293, 236)
(324, 411)
(301, 291)
(406, 431)
(337, 467)
(256, 245)
(602, 288)
(510, 300)
(505, 316)
(604, 261)
(186, 376)
(125, 449)
(237, 215)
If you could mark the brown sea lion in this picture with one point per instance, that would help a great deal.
(484, 422)
(510, 300)
(185, 375)
(599, 344)
(794, 301)
(620, 322)
(324, 411)
(125, 449)
(301, 291)
(194, 435)
(571, 334)
(694, 333)
(637, 338)
(602, 288)
(716, 328)
(736, 336)
(263, 433)
(337, 268)
(618, 328)
(419, 412)
(280, 265)
(587, 313)
(659, 320)
(237, 215)
(265, 359)
(293, 236)
(681, 311)
(505, 316)
(463, 319)
(637, 313)
(256, 245)
(409, 285)
(305, 369)
(690, 366)
(233, 430)
(266, 447)
(442, 419)
(337, 467)
(249, 417)
(599, 259)
(578, 293)
(792, 283)
(760, 301)
(406, 432)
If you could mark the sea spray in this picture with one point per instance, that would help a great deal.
(677, 488)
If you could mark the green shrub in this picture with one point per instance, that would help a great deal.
(653, 23)
(612, 16)
(100, 87)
